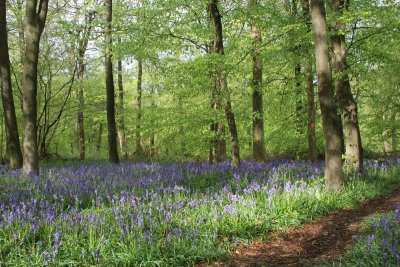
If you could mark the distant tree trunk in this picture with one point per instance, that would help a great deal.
(35, 19)
(139, 150)
(347, 104)
(222, 83)
(152, 135)
(311, 135)
(389, 135)
(299, 106)
(81, 127)
(100, 134)
(211, 152)
(83, 39)
(333, 158)
(393, 133)
(311, 113)
(181, 131)
(10, 117)
(112, 129)
(258, 111)
(218, 143)
(121, 121)
(296, 50)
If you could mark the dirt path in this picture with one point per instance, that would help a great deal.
(312, 243)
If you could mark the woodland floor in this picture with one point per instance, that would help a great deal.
(312, 243)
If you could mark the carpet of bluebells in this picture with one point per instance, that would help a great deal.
(164, 214)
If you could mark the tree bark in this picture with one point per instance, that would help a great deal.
(333, 158)
(308, 71)
(35, 18)
(152, 134)
(393, 133)
(81, 100)
(139, 150)
(100, 134)
(112, 129)
(218, 143)
(83, 39)
(296, 50)
(347, 104)
(121, 121)
(2, 130)
(299, 106)
(10, 117)
(222, 83)
(259, 153)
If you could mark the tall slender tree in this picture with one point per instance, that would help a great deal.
(333, 147)
(10, 117)
(258, 111)
(347, 104)
(83, 40)
(296, 49)
(35, 19)
(222, 83)
(121, 120)
(139, 150)
(112, 129)
(308, 72)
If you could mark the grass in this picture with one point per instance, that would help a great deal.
(153, 214)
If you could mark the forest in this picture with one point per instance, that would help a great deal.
(170, 133)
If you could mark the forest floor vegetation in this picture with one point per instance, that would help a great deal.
(364, 236)
(171, 214)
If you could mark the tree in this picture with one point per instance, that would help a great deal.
(35, 19)
(222, 82)
(347, 104)
(258, 111)
(83, 36)
(121, 121)
(139, 150)
(112, 129)
(10, 117)
(308, 71)
(333, 158)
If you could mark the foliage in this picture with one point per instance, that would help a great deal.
(172, 39)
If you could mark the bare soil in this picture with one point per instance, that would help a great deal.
(312, 243)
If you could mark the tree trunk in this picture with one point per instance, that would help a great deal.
(121, 121)
(218, 143)
(347, 104)
(83, 39)
(181, 131)
(259, 153)
(393, 133)
(311, 113)
(7, 95)
(333, 158)
(296, 50)
(81, 99)
(100, 134)
(152, 134)
(139, 150)
(112, 129)
(299, 106)
(2, 134)
(222, 83)
(35, 18)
